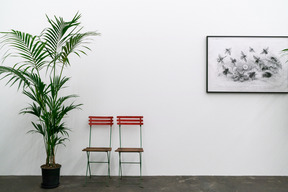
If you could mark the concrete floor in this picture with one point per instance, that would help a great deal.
(151, 184)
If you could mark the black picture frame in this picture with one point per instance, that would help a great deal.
(246, 64)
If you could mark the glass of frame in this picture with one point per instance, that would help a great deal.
(246, 64)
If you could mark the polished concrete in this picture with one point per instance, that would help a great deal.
(153, 184)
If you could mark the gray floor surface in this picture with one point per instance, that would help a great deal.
(150, 183)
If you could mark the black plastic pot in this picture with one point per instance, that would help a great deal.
(50, 177)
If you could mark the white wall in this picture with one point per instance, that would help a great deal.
(150, 61)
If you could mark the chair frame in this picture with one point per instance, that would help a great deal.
(130, 120)
(99, 120)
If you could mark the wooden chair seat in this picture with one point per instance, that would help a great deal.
(97, 149)
(129, 150)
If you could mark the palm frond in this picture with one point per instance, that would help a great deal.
(32, 109)
(66, 109)
(38, 129)
(29, 48)
(32, 95)
(57, 33)
(76, 44)
(56, 84)
(16, 75)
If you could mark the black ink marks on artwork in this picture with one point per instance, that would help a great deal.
(251, 50)
(274, 59)
(243, 56)
(220, 59)
(252, 75)
(267, 75)
(265, 51)
(226, 71)
(233, 61)
(247, 65)
(228, 51)
(256, 59)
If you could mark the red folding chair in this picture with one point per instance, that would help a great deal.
(130, 121)
(95, 121)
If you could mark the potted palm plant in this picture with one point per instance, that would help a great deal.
(39, 74)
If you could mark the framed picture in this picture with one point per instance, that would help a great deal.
(247, 64)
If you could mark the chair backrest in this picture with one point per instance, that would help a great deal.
(101, 120)
(130, 120)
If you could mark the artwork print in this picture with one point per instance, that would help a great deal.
(247, 64)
